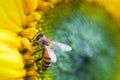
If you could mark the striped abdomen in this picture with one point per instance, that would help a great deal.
(45, 61)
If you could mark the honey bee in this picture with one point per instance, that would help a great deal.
(48, 54)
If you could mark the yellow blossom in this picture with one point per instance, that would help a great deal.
(18, 22)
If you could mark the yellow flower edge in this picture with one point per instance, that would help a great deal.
(111, 6)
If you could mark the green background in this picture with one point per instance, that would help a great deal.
(93, 36)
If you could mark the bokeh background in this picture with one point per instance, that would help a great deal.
(94, 35)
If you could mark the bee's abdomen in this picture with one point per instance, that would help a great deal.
(46, 63)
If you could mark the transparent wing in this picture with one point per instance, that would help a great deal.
(62, 46)
(51, 54)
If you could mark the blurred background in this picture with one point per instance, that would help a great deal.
(92, 30)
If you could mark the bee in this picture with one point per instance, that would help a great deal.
(48, 54)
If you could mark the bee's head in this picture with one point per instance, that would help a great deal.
(37, 39)
(39, 36)
(41, 39)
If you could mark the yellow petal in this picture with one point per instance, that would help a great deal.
(7, 73)
(10, 9)
(44, 5)
(20, 8)
(112, 6)
(30, 6)
(6, 23)
(10, 58)
(10, 38)
(29, 32)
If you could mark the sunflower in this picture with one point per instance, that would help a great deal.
(18, 22)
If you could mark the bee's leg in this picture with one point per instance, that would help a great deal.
(39, 59)
(35, 43)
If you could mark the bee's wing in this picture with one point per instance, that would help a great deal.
(51, 54)
(62, 46)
